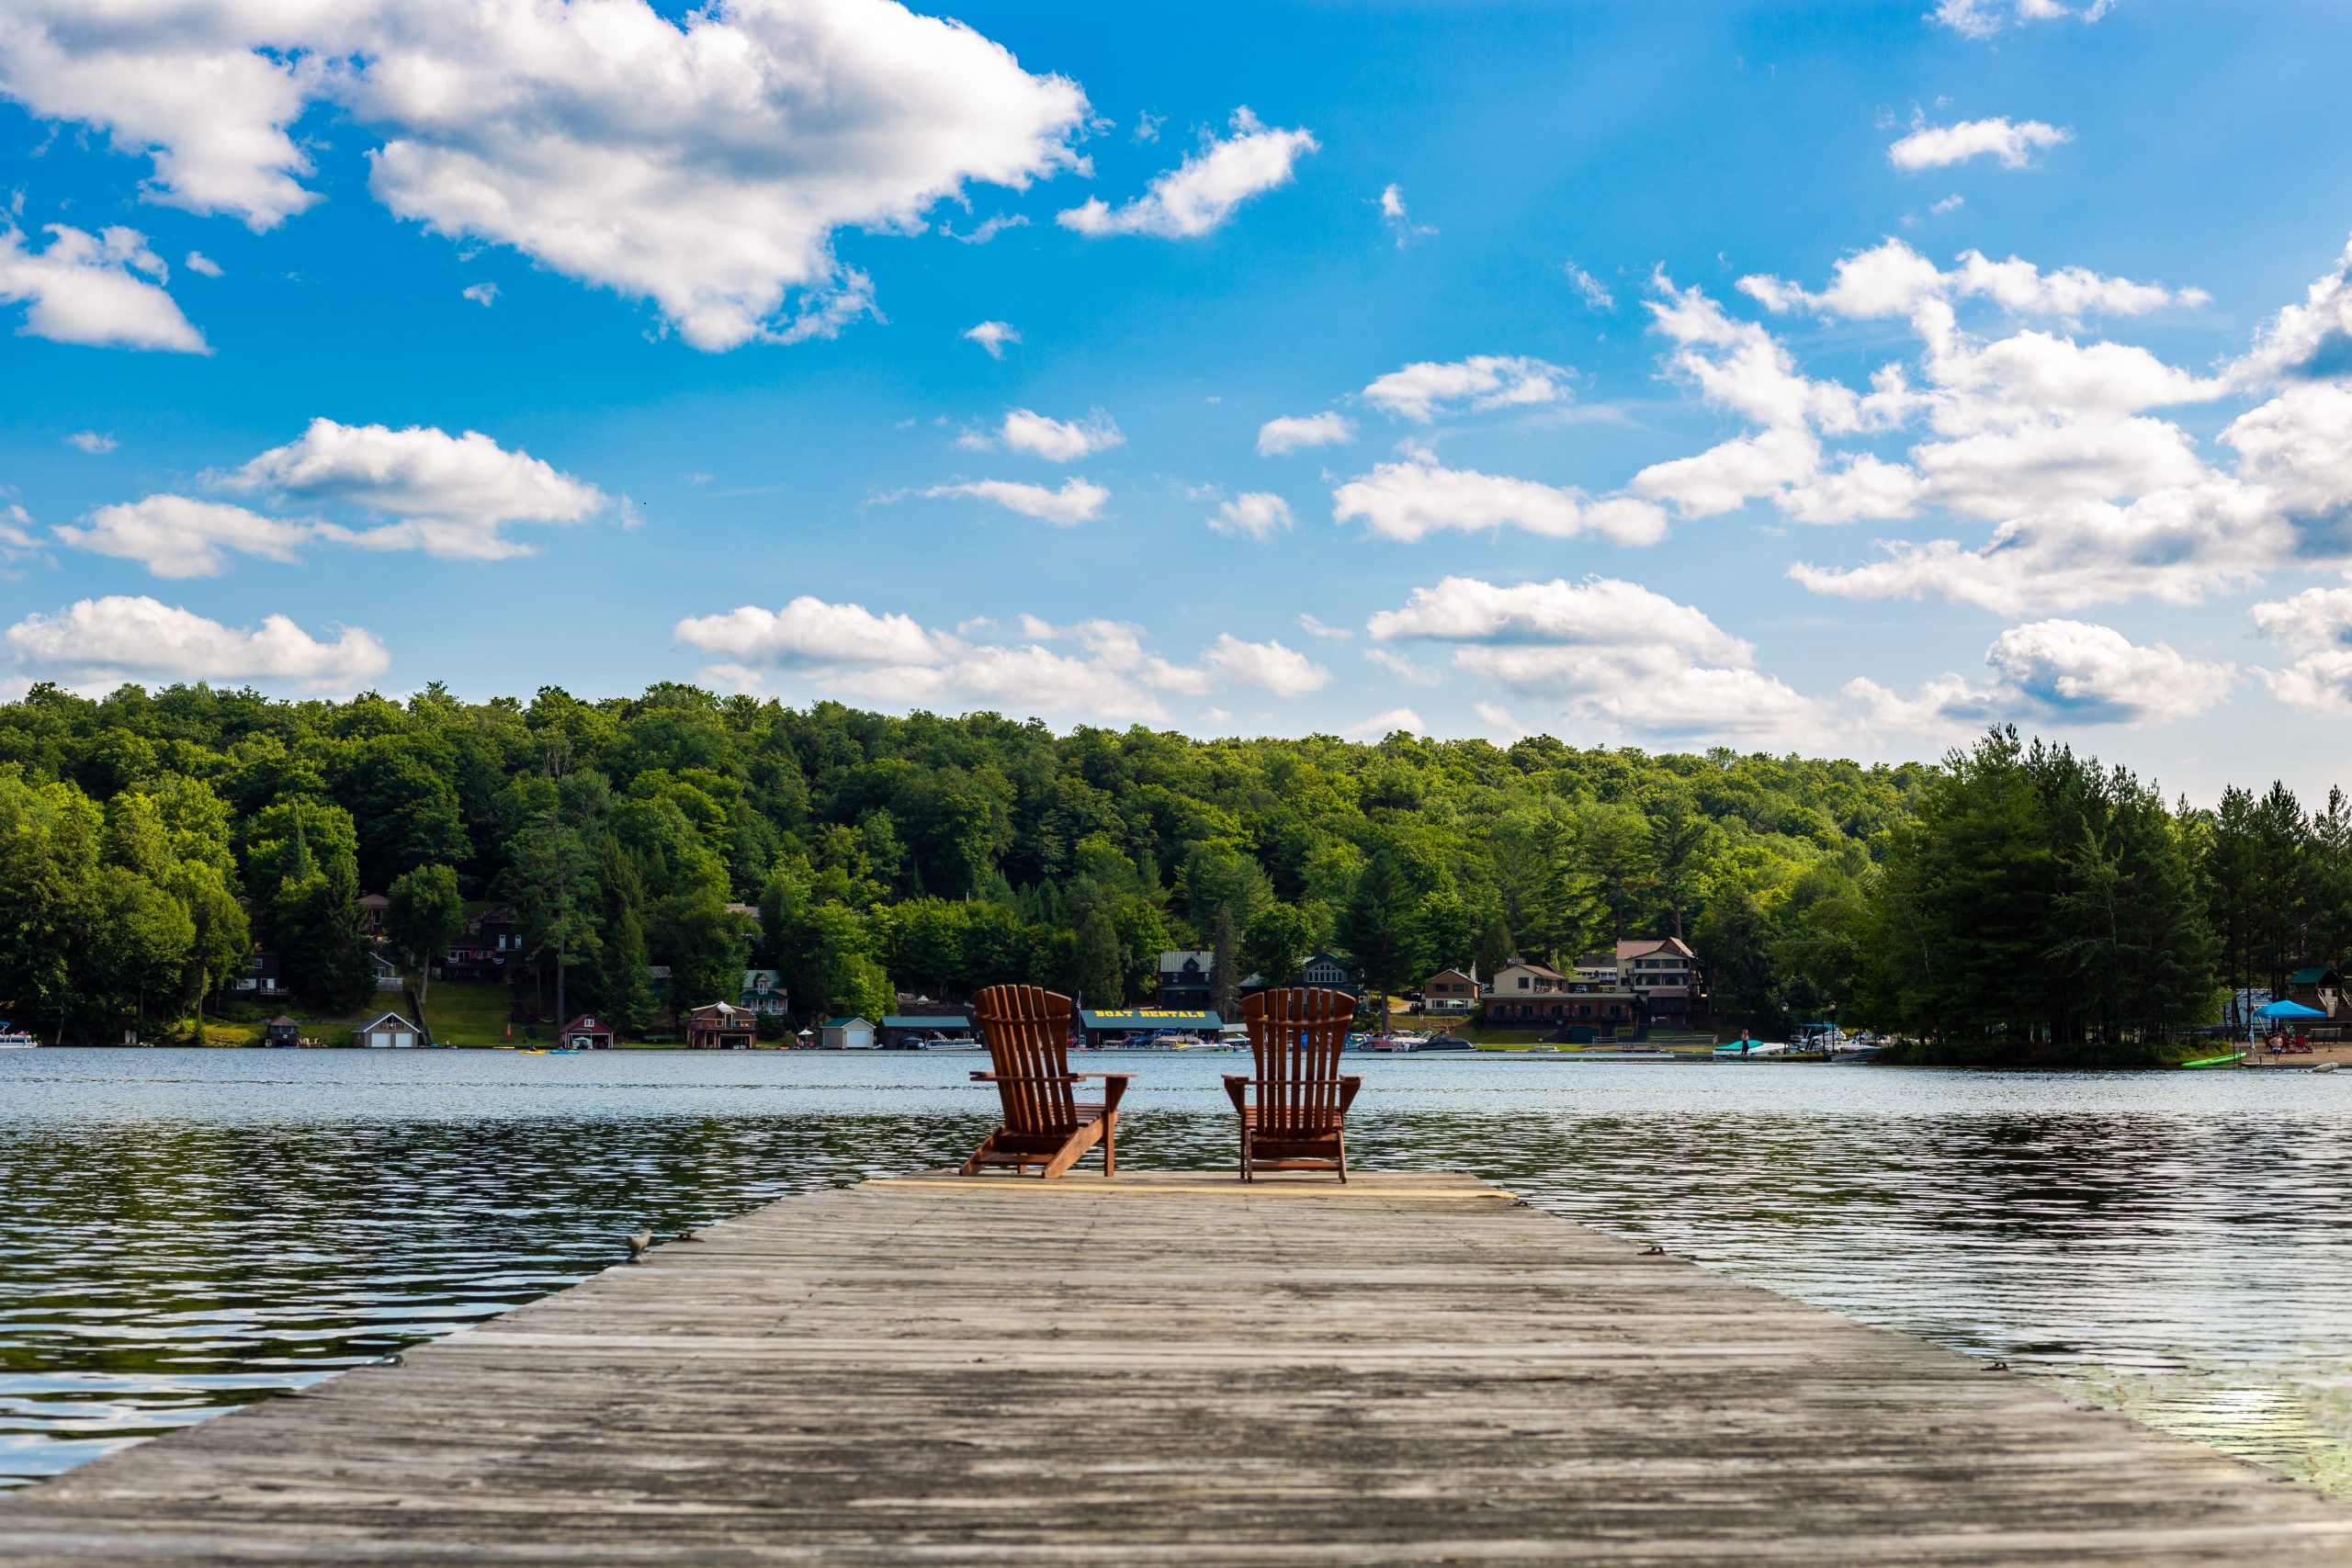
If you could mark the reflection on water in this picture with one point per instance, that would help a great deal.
(183, 1231)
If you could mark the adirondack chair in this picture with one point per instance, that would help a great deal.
(1299, 1120)
(1045, 1124)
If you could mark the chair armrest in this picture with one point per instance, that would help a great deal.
(1348, 1086)
(1114, 1087)
(1236, 1086)
(1103, 1075)
(984, 1077)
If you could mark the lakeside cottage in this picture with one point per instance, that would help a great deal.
(763, 992)
(491, 941)
(262, 980)
(1522, 979)
(388, 1031)
(1187, 981)
(1664, 973)
(1448, 991)
(587, 1033)
(721, 1026)
(1328, 972)
(1580, 1014)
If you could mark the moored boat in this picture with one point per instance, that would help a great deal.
(15, 1038)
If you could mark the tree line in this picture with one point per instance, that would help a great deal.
(150, 840)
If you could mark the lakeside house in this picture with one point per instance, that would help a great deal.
(1448, 991)
(261, 979)
(1580, 1014)
(1329, 972)
(491, 941)
(388, 1031)
(387, 974)
(374, 913)
(763, 992)
(721, 1026)
(281, 1030)
(1520, 978)
(1664, 973)
(1187, 980)
(585, 1033)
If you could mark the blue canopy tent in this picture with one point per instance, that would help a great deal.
(2288, 1010)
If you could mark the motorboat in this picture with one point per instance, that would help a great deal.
(1742, 1050)
(951, 1042)
(15, 1038)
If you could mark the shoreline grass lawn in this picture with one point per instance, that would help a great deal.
(472, 1012)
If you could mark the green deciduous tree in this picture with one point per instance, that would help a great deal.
(425, 918)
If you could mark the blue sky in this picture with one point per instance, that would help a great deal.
(1597, 383)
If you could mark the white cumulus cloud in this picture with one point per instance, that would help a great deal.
(1076, 501)
(2014, 143)
(1056, 440)
(1289, 433)
(1108, 675)
(1257, 513)
(1609, 653)
(1422, 391)
(703, 163)
(2316, 626)
(103, 641)
(992, 336)
(1198, 196)
(1281, 670)
(2055, 672)
(1984, 18)
(452, 493)
(1382, 725)
(102, 291)
(810, 631)
(175, 535)
(1415, 498)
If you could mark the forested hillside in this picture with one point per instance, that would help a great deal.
(148, 840)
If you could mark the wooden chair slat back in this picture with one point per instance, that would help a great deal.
(1296, 1036)
(1027, 1030)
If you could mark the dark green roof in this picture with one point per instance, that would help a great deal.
(1148, 1018)
(2317, 974)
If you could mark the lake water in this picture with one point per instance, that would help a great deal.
(182, 1232)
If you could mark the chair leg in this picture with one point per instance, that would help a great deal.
(1244, 1151)
(972, 1165)
(1343, 1159)
(1110, 1145)
(1068, 1154)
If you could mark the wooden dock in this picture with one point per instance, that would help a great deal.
(1170, 1370)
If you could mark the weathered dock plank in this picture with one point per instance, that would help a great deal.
(1170, 1370)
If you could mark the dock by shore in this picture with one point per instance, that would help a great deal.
(1171, 1368)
